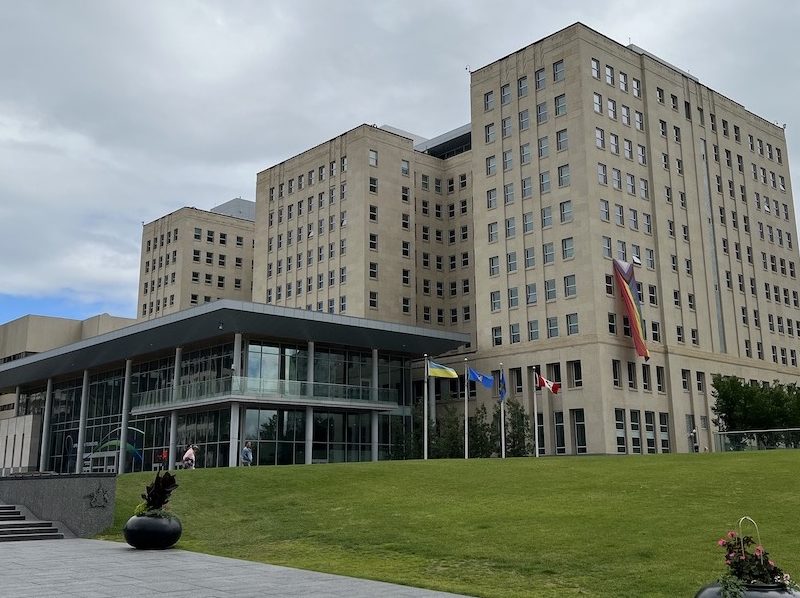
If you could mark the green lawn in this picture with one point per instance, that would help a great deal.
(592, 526)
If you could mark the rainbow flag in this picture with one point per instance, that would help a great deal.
(628, 290)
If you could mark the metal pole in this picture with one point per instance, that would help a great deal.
(44, 456)
(425, 412)
(466, 411)
(126, 409)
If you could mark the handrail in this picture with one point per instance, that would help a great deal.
(260, 388)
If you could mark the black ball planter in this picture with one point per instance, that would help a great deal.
(152, 533)
(751, 591)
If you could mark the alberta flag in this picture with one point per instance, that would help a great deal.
(485, 379)
(501, 389)
(542, 382)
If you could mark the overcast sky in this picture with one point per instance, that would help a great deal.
(114, 113)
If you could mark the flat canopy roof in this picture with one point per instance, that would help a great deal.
(224, 318)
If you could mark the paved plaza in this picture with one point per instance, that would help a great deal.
(95, 569)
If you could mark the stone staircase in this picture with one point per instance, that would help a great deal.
(15, 527)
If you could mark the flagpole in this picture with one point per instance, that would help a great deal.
(425, 413)
(466, 418)
(502, 420)
(536, 417)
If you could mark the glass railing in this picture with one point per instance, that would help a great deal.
(758, 440)
(202, 391)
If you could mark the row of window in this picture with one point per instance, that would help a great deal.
(529, 257)
(551, 324)
(293, 235)
(616, 181)
(635, 86)
(737, 136)
(163, 261)
(624, 115)
(757, 200)
(158, 304)
(639, 442)
(212, 235)
(540, 83)
(222, 259)
(209, 280)
(171, 235)
(622, 252)
(771, 319)
(466, 313)
(772, 292)
(531, 293)
(309, 180)
(425, 183)
(452, 235)
(152, 285)
(425, 210)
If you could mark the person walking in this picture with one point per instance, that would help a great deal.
(189, 457)
(247, 455)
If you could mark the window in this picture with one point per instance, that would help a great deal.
(373, 299)
(550, 289)
(525, 153)
(595, 68)
(599, 138)
(505, 94)
(562, 140)
(572, 328)
(533, 330)
(530, 294)
(373, 184)
(541, 79)
(494, 300)
(561, 105)
(547, 216)
(548, 252)
(541, 113)
(505, 127)
(497, 336)
(489, 133)
(558, 71)
(544, 182)
(610, 75)
(598, 103)
(524, 121)
(522, 87)
(491, 165)
(552, 327)
(570, 289)
(373, 158)
(604, 212)
(563, 176)
(565, 209)
(567, 248)
(488, 100)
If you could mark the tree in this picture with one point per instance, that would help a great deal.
(480, 434)
(448, 437)
(518, 429)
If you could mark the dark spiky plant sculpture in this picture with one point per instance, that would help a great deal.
(157, 496)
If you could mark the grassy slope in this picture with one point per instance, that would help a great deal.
(596, 526)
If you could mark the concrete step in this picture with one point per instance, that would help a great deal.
(28, 530)
(7, 508)
(17, 524)
(14, 517)
(24, 537)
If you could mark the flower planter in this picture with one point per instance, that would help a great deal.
(750, 591)
(152, 533)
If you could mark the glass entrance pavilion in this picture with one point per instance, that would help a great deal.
(301, 386)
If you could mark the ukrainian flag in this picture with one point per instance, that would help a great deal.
(440, 371)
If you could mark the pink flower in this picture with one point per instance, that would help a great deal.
(727, 562)
(771, 563)
(721, 542)
(759, 550)
(731, 534)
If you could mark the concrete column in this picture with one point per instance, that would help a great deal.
(374, 414)
(233, 449)
(48, 410)
(237, 354)
(310, 370)
(17, 393)
(176, 376)
(173, 439)
(82, 424)
(126, 409)
(374, 424)
(309, 433)
(374, 385)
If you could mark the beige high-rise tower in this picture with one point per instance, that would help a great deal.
(579, 151)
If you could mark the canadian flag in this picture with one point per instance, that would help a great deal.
(541, 382)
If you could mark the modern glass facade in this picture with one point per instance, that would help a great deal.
(278, 433)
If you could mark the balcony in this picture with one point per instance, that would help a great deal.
(259, 390)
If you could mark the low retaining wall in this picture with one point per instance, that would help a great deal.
(82, 502)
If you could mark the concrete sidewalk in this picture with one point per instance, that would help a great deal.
(95, 568)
